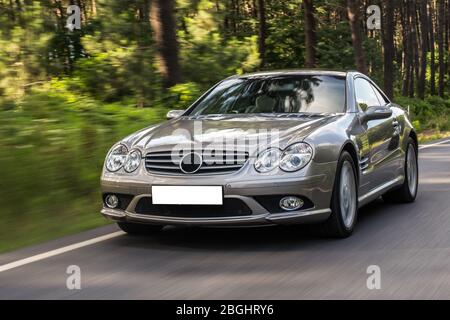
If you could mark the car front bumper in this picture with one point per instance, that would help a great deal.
(314, 183)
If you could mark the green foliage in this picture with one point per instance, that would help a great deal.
(22, 52)
(182, 95)
(333, 47)
(206, 56)
(285, 40)
(431, 113)
(52, 147)
(417, 125)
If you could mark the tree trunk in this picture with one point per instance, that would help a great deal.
(432, 50)
(12, 11)
(440, 35)
(94, 8)
(163, 24)
(262, 31)
(405, 43)
(412, 47)
(254, 9)
(447, 35)
(353, 17)
(310, 34)
(233, 16)
(424, 49)
(389, 48)
(415, 39)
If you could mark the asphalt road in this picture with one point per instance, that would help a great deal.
(409, 242)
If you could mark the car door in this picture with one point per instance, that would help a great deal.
(394, 158)
(378, 134)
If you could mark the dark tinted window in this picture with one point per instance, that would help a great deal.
(283, 94)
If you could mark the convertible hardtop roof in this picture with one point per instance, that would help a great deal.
(276, 73)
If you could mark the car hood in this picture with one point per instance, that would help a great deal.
(280, 130)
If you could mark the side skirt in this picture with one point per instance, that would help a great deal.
(380, 190)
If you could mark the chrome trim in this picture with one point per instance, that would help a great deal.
(196, 221)
(260, 219)
(156, 165)
(300, 216)
(112, 213)
(364, 163)
(199, 165)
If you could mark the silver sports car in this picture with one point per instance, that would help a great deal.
(268, 148)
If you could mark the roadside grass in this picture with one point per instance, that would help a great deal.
(430, 135)
(52, 149)
(38, 227)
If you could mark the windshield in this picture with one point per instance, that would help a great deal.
(280, 94)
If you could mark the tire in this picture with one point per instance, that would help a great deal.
(344, 200)
(139, 229)
(407, 192)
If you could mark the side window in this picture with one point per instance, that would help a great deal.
(365, 95)
(380, 97)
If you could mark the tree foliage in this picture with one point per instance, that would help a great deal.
(136, 49)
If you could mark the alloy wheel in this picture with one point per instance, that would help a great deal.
(411, 170)
(347, 194)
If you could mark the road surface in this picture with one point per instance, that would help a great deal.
(409, 242)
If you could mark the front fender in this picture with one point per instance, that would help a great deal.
(329, 140)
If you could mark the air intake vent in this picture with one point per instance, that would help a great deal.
(231, 208)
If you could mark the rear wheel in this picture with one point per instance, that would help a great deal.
(139, 229)
(344, 202)
(407, 192)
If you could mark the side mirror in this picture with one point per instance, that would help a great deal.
(174, 114)
(375, 113)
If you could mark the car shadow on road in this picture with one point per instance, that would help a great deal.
(270, 238)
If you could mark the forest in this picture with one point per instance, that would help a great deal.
(68, 92)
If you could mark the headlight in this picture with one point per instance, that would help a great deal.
(268, 160)
(133, 161)
(296, 157)
(116, 158)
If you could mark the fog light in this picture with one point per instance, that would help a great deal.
(291, 203)
(111, 201)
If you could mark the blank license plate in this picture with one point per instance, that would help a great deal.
(207, 195)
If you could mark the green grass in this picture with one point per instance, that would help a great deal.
(38, 227)
(428, 136)
(429, 115)
(52, 149)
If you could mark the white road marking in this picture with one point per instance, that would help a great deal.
(78, 245)
(56, 252)
(433, 144)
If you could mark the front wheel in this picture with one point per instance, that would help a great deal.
(139, 229)
(407, 192)
(344, 201)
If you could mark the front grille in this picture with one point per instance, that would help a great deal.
(230, 208)
(213, 161)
